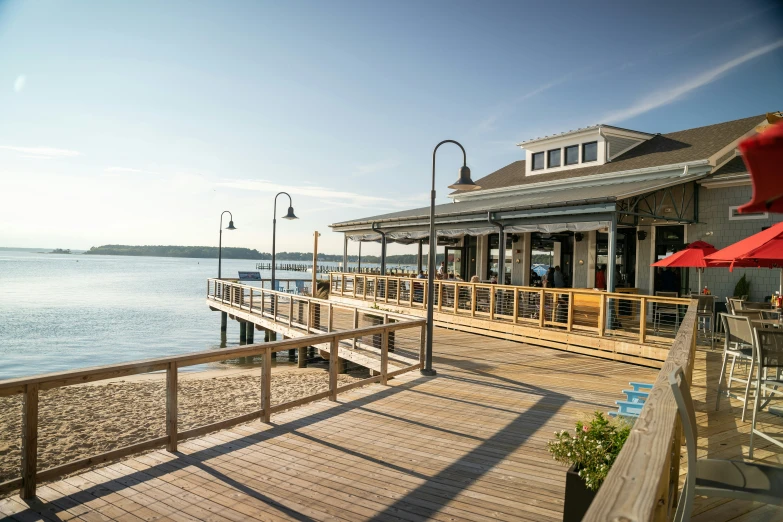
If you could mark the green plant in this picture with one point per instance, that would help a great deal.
(742, 287)
(592, 449)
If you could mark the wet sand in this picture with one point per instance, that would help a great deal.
(88, 419)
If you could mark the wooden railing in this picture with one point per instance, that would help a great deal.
(331, 341)
(644, 480)
(640, 318)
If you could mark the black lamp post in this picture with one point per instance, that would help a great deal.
(289, 215)
(220, 243)
(463, 183)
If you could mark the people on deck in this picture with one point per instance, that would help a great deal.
(475, 279)
(442, 269)
(421, 275)
(549, 278)
(559, 280)
(600, 278)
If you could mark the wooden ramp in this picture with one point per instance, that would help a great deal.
(469, 444)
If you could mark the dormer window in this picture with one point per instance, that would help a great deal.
(589, 151)
(572, 155)
(538, 161)
(553, 158)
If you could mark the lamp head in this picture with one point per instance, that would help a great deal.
(464, 182)
(290, 214)
(231, 225)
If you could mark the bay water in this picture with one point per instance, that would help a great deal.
(61, 312)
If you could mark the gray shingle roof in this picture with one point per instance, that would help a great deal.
(662, 149)
(735, 166)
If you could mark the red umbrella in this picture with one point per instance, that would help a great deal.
(761, 250)
(692, 256)
(763, 155)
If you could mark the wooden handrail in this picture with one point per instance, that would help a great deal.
(31, 385)
(642, 484)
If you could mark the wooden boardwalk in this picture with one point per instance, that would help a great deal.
(469, 444)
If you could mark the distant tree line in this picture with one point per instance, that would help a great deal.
(242, 253)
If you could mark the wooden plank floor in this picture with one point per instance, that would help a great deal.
(469, 444)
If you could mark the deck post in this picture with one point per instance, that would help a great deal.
(642, 320)
(419, 257)
(266, 385)
(385, 356)
(29, 440)
(301, 357)
(171, 406)
(542, 309)
(242, 331)
(333, 362)
(223, 321)
(345, 253)
(610, 270)
(315, 266)
(249, 332)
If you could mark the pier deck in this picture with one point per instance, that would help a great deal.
(469, 444)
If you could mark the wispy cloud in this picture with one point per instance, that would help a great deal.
(42, 152)
(378, 166)
(332, 198)
(488, 123)
(19, 83)
(669, 95)
(126, 170)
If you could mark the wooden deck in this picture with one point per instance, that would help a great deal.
(469, 444)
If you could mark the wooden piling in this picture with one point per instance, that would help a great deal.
(301, 358)
(223, 321)
(242, 332)
(249, 332)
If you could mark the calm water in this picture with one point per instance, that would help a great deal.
(60, 312)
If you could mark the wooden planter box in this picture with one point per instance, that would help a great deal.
(577, 497)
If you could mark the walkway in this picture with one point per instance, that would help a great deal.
(467, 445)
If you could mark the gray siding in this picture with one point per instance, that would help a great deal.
(580, 271)
(714, 217)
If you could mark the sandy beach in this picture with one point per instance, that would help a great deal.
(88, 419)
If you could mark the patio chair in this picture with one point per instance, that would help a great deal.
(752, 305)
(753, 315)
(716, 477)
(736, 304)
(769, 359)
(705, 315)
(662, 309)
(738, 344)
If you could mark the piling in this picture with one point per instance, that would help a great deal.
(302, 358)
(223, 321)
(242, 332)
(250, 332)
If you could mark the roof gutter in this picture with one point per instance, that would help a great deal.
(383, 247)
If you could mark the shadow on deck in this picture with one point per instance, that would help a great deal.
(469, 444)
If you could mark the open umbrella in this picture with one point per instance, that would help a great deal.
(692, 256)
(763, 155)
(761, 250)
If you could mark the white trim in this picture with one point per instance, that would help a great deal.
(739, 181)
(743, 217)
(675, 169)
(576, 132)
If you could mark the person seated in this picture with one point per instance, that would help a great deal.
(475, 279)
(421, 275)
(451, 275)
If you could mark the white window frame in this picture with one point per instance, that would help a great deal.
(740, 217)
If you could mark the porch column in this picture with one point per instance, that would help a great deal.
(591, 248)
(611, 265)
(502, 256)
(383, 254)
(526, 247)
(359, 265)
(345, 253)
(418, 257)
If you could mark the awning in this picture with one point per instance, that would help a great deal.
(763, 154)
(544, 228)
(554, 207)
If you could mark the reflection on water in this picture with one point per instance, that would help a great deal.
(60, 312)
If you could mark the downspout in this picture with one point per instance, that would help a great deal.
(383, 247)
(501, 248)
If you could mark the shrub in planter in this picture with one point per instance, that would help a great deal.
(590, 451)
(742, 287)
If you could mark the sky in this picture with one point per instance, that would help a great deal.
(140, 122)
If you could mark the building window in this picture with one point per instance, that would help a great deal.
(589, 151)
(734, 215)
(553, 158)
(572, 155)
(538, 161)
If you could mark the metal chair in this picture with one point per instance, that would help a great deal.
(736, 304)
(747, 305)
(753, 315)
(666, 309)
(769, 356)
(738, 344)
(706, 314)
(716, 477)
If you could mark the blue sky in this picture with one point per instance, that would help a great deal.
(139, 122)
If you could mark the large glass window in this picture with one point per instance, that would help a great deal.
(589, 151)
(572, 155)
(494, 258)
(553, 159)
(538, 161)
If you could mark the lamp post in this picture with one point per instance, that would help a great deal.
(463, 183)
(220, 242)
(289, 215)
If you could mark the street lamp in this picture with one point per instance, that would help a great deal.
(220, 244)
(463, 183)
(289, 215)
